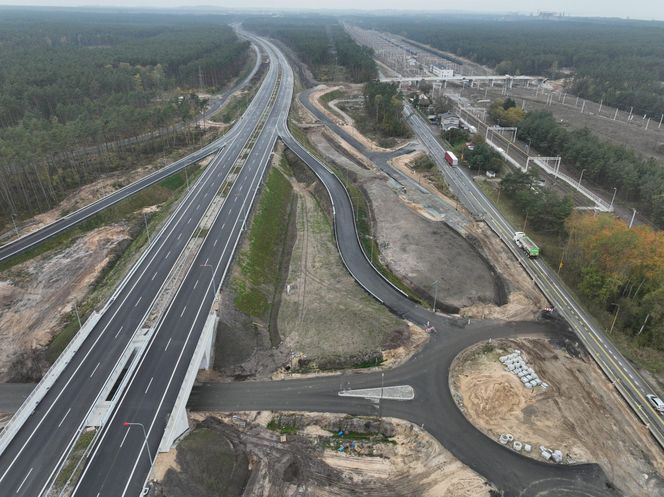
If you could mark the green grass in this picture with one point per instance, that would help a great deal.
(362, 216)
(79, 449)
(371, 363)
(283, 429)
(260, 262)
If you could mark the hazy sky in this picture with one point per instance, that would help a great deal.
(635, 9)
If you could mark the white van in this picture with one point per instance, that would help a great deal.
(656, 402)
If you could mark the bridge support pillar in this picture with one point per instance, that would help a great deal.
(203, 357)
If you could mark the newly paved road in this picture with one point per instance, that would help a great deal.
(121, 460)
(619, 370)
(433, 408)
(28, 463)
(36, 237)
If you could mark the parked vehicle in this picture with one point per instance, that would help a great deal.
(451, 159)
(526, 244)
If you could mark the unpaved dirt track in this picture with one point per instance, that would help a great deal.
(580, 413)
(304, 464)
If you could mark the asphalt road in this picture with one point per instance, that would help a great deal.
(28, 463)
(619, 370)
(36, 237)
(433, 408)
(120, 463)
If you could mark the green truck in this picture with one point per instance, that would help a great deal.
(526, 244)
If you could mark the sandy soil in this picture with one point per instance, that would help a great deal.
(36, 295)
(580, 413)
(348, 126)
(306, 463)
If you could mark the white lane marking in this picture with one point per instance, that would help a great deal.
(138, 301)
(222, 226)
(116, 335)
(150, 383)
(184, 309)
(179, 236)
(95, 370)
(63, 418)
(195, 284)
(125, 437)
(26, 477)
(215, 242)
(198, 206)
(206, 261)
(154, 275)
(188, 220)
(167, 255)
(169, 342)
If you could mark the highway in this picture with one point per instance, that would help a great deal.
(121, 457)
(30, 460)
(38, 236)
(121, 460)
(619, 370)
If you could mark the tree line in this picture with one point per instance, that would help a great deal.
(75, 81)
(383, 106)
(319, 42)
(620, 61)
(638, 180)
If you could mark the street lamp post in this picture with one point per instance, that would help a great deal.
(615, 317)
(435, 294)
(615, 190)
(631, 222)
(127, 424)
(14, 222)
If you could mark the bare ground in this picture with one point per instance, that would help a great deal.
(325, 320)
(35, 296)
(399, 460)
(580, 413)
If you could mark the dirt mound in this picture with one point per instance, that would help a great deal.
(38, 294)
(579, 413)
(299, 456)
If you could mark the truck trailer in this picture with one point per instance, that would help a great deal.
(526, 244)
(451, 159)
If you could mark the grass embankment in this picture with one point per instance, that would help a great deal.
(165, 194)
(363, 222)
(260, 264)
(239, 102)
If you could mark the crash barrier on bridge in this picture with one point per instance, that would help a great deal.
(202, 358)
(36, 396)
(30, 404)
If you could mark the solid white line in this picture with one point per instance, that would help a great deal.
(63, 418)
(169, 342)
(150, 383)
(95, 370)
(26, 477)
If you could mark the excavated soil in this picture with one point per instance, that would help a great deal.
(580, 413)
(404, 461)
(36, 296)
